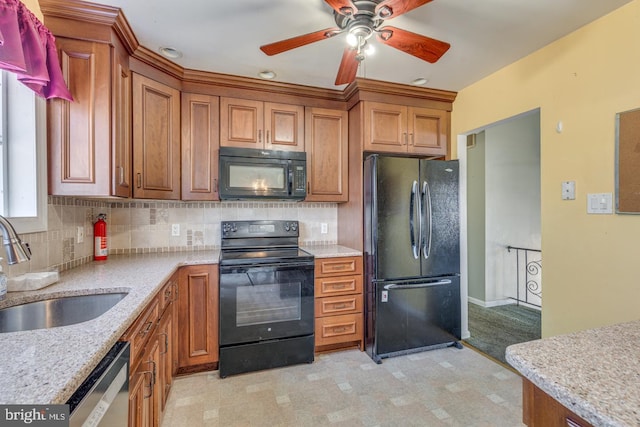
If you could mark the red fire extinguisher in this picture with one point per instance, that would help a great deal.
(100, 249)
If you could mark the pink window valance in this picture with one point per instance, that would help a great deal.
(28, 49)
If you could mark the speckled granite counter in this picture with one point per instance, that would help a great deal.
(47, 365)
(330, 251)
(594, 373)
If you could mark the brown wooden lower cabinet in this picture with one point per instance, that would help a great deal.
(338, 303)
(541, 410)
(152, 340)
(197, 318)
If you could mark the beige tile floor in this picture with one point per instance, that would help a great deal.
(444, 387)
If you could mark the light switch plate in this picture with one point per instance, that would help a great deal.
(599, 203)
(568, 190)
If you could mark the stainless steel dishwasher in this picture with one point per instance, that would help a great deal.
(103, 398)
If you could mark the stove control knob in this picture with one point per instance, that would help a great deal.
(294, 226)
(234, 228)
(286, 226)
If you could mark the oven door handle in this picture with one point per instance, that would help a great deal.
(229, 268)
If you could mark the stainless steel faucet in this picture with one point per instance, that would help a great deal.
(17, 250)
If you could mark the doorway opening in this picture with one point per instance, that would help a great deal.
(504, 258)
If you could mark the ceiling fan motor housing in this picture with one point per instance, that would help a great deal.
(363, 23)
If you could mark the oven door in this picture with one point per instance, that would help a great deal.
(265, 302)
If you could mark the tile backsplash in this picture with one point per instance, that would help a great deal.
(140, 226)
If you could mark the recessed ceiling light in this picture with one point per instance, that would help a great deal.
(170, 52)
(420, 81)
(267, 74)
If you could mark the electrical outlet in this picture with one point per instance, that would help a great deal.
(175, 229)
(324, 228)
(80, 235)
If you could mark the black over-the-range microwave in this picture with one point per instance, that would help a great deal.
(246, 173)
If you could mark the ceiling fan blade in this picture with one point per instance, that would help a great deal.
(393, 8)
(422, 47)
(348, 67)
(294, 42)
(343, 7)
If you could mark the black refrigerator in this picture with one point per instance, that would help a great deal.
(412, 255)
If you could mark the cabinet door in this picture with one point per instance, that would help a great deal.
(197, 316)
(284, 127)
(200, 145)
(327, 148)
(428, 130)
(241, 123)
(165, 341)
(121, 124)
(140, 398)
(143, 392)
(79, 131)
(156, 139)
(385, 127)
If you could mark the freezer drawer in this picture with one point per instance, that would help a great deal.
(412, 316)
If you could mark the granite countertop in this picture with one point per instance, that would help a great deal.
(330, 251)
(595, 373)
(47, 365)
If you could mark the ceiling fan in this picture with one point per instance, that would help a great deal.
(360, 19)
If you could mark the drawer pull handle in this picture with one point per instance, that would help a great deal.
(571, 423)
(148, 326)
(339, 306)
(167, 294)
(339, 286)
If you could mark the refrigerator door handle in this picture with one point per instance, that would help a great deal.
(413, 204)
(427, 216)
(392, 286)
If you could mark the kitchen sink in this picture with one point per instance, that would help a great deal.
(53, 312)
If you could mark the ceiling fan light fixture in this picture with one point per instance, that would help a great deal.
(352, 40)
(267, 74)
(420, 81)
(369, 49)
(170, 52)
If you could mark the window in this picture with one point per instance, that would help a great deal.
(23, 175)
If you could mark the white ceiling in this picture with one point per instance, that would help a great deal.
(225, 36)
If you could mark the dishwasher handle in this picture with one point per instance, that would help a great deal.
(392, 286)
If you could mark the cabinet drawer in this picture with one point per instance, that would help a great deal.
(338, 266)
(138, 334)
(331, 306)
(342, 285)
(338, 329)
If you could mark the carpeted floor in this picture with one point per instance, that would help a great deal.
(494, 329)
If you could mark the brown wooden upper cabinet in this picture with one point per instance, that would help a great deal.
(326, 142)
(406, 130)
(156, 140)
(84, 134)
(264, 125)
(200, 146)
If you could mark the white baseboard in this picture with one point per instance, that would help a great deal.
(494, 303)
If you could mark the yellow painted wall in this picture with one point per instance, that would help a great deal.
(34, 7)
(591, 263)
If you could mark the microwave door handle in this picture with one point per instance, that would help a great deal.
(290, 183)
